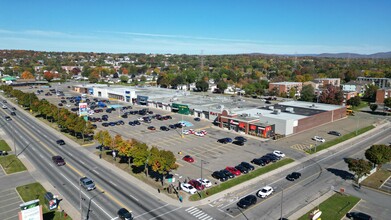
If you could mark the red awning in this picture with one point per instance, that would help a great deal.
(242, 125)
(253, 127)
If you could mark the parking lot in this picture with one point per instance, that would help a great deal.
(206, 150)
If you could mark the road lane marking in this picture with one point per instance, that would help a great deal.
(133, 197)
(165, 213)
(151, 210)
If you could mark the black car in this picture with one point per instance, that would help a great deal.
(228, 174)
(13, 113)
(108, 110)
(124, 214)
(270, 158)
(242, 169)
(136, 122)
(112, 123)
(178, 125)
(164, 128)
(13, 108)
(224, 140)
(197, 119)
(124, 116)
(293, 176)
(247, 165)
(271, 155)
(358, 216)
(240, 138)
(336, 133)
(60, 142)
(105, 117)
(131, 123)
(258, 161)
(247, 201)
(172, 126)
(220, 176)
(120, 122)
(240, 143)
(104, 124)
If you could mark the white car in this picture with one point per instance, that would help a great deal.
(185, 132)
(317, 138)
(140, 119)
(199, 134)
(265, 191)
(188, 188)
(205, 182)
(278, 153)
(5, 107)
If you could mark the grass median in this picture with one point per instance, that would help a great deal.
(238, 180)
(335, 207)
(340, 139)
(36, 191)
(4, 146)
(377, 179)
(11, 164)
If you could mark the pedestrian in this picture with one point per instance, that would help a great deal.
(180, 199)
(158, 190)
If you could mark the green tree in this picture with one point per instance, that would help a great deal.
(373, 107)
(387, 102)
(202, 86)
(124, 78)
(378, 154)
(359, 167)
(370, 92)
(354, 101)
(307, 94)
(221, 85)
(292, 92)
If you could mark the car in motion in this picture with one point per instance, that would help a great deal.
(265, 192)
(336, 133)
(247, 201)
(205, 182)
(318, 139)
(58, 160)
(7, 118)
(124, 214)
(188, 188)
(60, 142)
(358, 216)
(293, 176)
(87, 183)
(188, 158)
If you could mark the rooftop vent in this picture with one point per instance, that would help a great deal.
(271, 107)
(289, 109)
(277, 111)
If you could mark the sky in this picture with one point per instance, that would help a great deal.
(197, 27)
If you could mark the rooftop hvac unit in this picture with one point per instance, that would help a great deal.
(271, 107)
(277, 111)
(289, 109)
(244, 115)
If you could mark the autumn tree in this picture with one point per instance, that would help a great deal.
(103, 137)
(359, 167)
(124, 71)
(331, 95)
(307, 93)
(379, 154)
(48, 75)
(27, 75)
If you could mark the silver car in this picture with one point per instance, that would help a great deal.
(87, 183)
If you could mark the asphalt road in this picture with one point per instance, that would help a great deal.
(37, 143)
(319, 176)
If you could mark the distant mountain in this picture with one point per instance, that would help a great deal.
(355, 55)
(382, 55)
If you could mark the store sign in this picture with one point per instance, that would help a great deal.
(30, 211)
(83, 109)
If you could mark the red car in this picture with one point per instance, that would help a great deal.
(233, 170)
(188, 158)
(196, 184)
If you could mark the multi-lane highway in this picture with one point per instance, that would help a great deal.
(38, 144)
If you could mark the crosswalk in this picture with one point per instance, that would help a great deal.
(198, 213)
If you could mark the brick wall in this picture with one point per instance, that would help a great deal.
(339, 113)
(313, 121)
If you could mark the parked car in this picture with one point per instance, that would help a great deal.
(172, 126)
(247, 165)
(239, 143)
(265, 192)
(120, 122)
(319, 139)
(151, 128)
(272, 157)
(199, 134)
(240, 138)
(220, 176)
(278, 153)
(205, 182)
(258, 161)
(188, 188)
(60, 142)
(197, 119)
(224, 140)
(233, 170)
(87, 183)
(228, 174)
(293, 176)
(124, 214)
(358, 216)
(336, 133)
(196, 184)
(188, 158)
(164, 128)
(104, 124)
(247, 201)
(131, 123)
(58, 160)
(242, 169)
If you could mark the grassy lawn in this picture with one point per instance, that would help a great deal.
(335, 207)
(36, 191)
(4, 146)
(362, 105)
(238, 180)
(377, 179)
(11, 164)
(339, 140)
